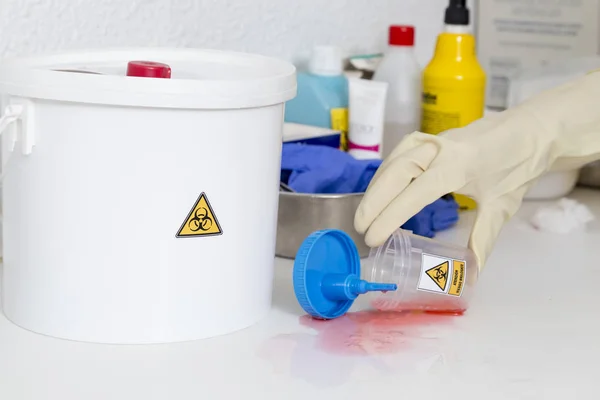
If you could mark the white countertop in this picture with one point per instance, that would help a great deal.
(532, 332)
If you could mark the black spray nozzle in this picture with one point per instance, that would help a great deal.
(457, 13)
(458, 3)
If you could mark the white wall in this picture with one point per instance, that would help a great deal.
(284, 28)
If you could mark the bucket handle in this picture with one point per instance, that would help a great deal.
(12, 113)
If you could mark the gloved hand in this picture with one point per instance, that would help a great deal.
(493, 160)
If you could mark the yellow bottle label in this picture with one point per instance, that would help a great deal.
(448, 108)
(339, 122)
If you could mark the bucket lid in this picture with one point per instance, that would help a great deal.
(200, 79)
(326, 275)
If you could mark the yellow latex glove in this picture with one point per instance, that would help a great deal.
(493, 160)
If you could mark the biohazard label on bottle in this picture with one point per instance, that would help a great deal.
(442, 275)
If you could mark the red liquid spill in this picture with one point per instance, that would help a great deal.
(371, 332)
(446, 312)
(452, 307)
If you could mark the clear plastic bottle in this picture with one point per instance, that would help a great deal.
(431, 276)
(400, 69)
(407, 273)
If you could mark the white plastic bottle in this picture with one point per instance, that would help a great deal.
(400, 69)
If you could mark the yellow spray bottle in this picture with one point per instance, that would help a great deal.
(454, 81)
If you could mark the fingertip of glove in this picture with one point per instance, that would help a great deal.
(479, 251)
(360, 223)
(480, 261)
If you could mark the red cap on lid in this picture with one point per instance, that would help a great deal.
(148, 69)
(402, 35)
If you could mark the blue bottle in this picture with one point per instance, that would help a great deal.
(322, 98)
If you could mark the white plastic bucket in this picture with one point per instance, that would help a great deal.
(108, 169)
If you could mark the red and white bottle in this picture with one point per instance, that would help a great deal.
(400, 69)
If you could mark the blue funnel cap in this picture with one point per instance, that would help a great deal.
(327, 275)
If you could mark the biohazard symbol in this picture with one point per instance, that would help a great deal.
(439, 274)
(201, 220)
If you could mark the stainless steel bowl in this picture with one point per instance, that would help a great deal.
(302, 214)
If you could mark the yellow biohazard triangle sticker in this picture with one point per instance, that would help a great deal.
(439, 274)
(201, 221)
